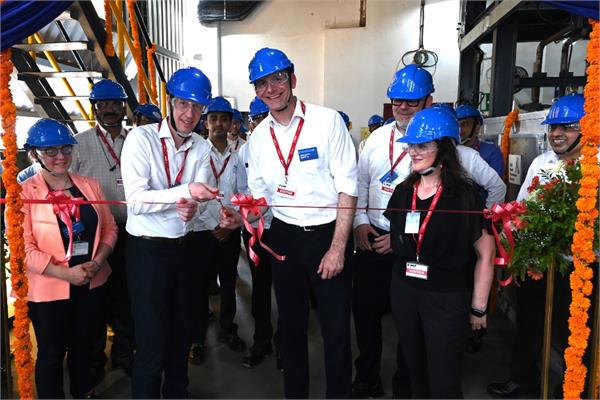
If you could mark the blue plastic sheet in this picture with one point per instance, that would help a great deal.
(587, 9)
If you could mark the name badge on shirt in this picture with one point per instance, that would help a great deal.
(417, 270)
(81, 248)
(413, 220)
(308, 154)
(388, 177)
(119, 182)
(387, 188)
(286, 190)
(77, 229)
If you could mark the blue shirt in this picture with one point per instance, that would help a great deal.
(492, 155)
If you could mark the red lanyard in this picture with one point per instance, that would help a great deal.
(108, 146)
(237, 144)
(166, 161)
(286, 164)
(214, 169)
(423, 227)
(394, 164)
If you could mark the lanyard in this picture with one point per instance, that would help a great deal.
(286, 164)
(477, 144)
(166, 161)
(237, 144)
(423, 227)
(108, 146)
(214, 169)
(394, 164)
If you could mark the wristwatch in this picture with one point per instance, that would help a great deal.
(477, 312)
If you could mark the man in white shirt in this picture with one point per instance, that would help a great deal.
(302, 155)
(222, 245)
(236, 130)
(98, 154)
(564, 134)
(382, 165)
(163, 167)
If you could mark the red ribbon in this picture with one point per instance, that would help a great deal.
(250, 205)
(66, 208)
(505, 212)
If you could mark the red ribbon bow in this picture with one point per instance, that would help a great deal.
(505, 212)
(65, 207)
(250, 205)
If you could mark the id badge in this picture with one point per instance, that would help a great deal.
(388, 178)
(81, 248)
(286, 190)
(77, 226)
(417, 270)
(119, 182)
(413, 220)
(387, 188)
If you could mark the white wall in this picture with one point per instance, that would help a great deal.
(337, 65)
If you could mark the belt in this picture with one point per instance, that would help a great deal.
(171, 241)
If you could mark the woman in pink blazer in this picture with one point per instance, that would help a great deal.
(66, 270)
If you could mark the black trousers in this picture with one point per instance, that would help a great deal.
(531, 299)
(292, 280)
(66, 326)
(370, 301)
(261, 291)
(432, 329)
(159, 274)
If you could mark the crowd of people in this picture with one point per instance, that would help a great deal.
(147, 269)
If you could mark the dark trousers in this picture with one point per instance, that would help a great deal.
(370, 301)
(531, 299)
(222, 258)
(261, 291)
(432, 329)
(159, 274)
(66, 326)
(292, 280)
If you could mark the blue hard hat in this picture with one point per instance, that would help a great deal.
(219, 104)
(446, 107)
(267, 61)
(49, 133)
(106, 89)
(566, 110)
(468, 111)
(237, 115)
(375, 120)
(345, 117)
(190, 84)
(389, 120)
(431, 124)
(411, 83)
(149, 111)
(257, 107)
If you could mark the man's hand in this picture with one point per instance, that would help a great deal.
(230, 218)
(361, 233)
(382, 244)
(202, 192)
(186, 209)
(221, 234)
(332, 263)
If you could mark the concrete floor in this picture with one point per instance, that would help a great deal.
(223, 376)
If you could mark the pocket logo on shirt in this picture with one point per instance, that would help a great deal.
(308, 154)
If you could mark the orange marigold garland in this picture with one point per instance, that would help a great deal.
(109, 48)
(583, 238)
(137, 51)
(151, 72)
(14, 221)
(510, 120)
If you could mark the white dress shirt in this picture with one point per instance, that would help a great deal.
(545, 161)
(236, 145)
(374, 163)
(92, 158)
(329, 169)
(145, 179)
(232, 181)
(268, 215)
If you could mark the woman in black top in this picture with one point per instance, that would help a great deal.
(443, 265)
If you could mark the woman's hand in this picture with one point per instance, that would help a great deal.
(78, 275)
(478, 322)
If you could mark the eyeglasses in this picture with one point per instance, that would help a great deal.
(567, 127)
(184, 105)
(114, 104)
(409, 103)
(422, 148)
(53, 151)
(276, 79)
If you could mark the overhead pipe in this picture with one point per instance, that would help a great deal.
(539, 54)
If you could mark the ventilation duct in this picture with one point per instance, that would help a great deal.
(225, 10)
